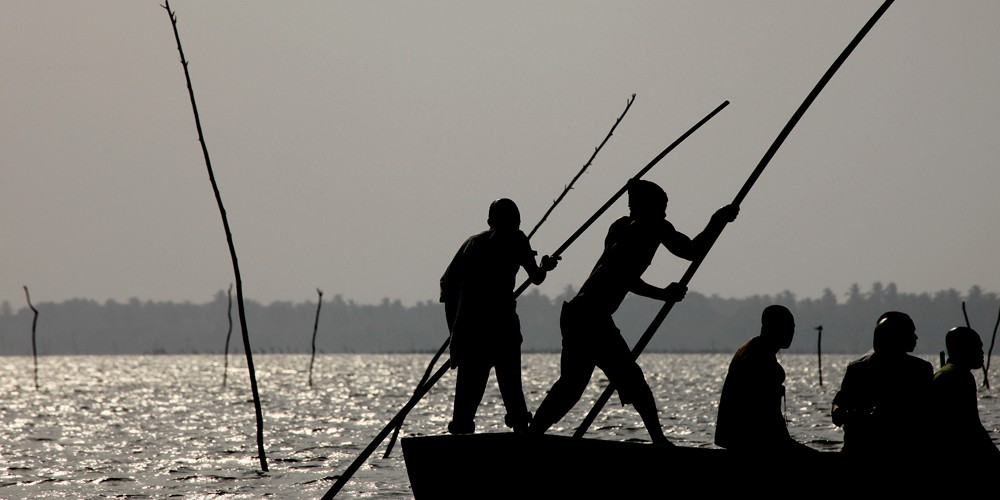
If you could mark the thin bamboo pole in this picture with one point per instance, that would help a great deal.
(628, 104)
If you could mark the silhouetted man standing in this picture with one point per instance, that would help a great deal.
(590, 337)
(477, 290)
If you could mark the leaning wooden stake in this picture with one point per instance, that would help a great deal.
(986, 369)
(662, 314)
(229, 333)
(34, 323)
(319, 303)
(430, 366)
(426, 386)
(986, 366)
(232, 248)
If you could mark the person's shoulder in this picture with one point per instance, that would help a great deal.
(511, 240)
(921, 363)
(945, 372)
(863, 360)
(622, 221)
(753, 344)
(481, 235)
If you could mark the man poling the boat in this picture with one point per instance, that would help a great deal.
(590, 337)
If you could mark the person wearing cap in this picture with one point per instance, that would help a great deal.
(750, 419)
(590, 338)
(882, 402)
(959, 433)
(477, 290)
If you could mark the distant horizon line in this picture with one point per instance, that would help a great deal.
(222, 291)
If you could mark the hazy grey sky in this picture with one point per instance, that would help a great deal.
(356, 144)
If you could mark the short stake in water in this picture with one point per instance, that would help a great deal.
(319, 303)
(819, 351)
(34, 323)
(229, 333)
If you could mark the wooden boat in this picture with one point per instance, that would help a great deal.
(508, 465)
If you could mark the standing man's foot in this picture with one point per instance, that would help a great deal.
(461, 428)
(662, 440)
(520, 423)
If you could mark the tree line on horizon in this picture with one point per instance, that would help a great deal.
(698, 324)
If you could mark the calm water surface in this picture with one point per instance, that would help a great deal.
(159, 426)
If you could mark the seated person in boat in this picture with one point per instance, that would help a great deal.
(882, 403)
(477, 290)
(750, 417)
(590, 337)
(959, 433)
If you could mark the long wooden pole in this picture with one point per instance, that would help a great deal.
(422, 389)
(662, 314)
(232, 248)
(447, 340)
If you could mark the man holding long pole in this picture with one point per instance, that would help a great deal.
(590, 337)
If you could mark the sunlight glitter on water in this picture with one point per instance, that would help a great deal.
(155, 426)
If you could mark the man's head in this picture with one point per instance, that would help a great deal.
(504, 214)
(778, 325)
(646, 199)
(965, 348)
(894, 333)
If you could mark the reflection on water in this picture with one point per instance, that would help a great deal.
(157, 426)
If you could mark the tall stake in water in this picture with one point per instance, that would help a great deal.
(232, 247)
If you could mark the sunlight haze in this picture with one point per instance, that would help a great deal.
(357, 144)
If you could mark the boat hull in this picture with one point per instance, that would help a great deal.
(508, 465)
